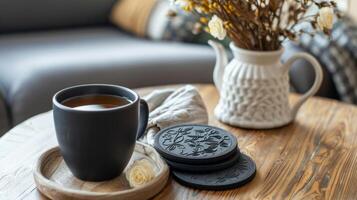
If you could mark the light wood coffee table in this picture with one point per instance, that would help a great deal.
(313, 158)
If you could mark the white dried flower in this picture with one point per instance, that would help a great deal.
(325, 19)
(140, 172)
(216, 28)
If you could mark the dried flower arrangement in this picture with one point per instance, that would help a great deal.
(260, 24)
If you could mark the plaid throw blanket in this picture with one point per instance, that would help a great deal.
(338, 55)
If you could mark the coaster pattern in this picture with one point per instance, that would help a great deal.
(189, 143)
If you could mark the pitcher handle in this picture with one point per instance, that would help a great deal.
(317, 83)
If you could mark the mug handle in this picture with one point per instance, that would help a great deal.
(317, 83)
(144, 118)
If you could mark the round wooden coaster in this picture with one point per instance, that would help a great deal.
(195, 144)
(237, 175)
(53, 178)
(205, 168)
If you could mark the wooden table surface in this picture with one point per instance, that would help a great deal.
(313, 158)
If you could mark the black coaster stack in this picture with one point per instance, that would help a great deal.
(204, 157)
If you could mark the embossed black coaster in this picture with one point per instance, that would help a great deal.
(206, 167)
(237, 175)
(195, 144)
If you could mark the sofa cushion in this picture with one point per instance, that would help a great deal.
(34, 66)
(339, 56)
(151, 19)
(18, 15)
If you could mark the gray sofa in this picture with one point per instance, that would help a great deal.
(34, 66)
(50, 46)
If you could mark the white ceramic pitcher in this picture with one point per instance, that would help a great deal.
(254, 87)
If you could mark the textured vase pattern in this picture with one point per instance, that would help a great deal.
(254, 94)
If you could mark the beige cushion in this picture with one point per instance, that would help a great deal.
(133, 15)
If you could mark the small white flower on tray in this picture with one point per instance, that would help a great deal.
(140, 173)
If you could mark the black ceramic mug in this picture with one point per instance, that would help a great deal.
(98, 144)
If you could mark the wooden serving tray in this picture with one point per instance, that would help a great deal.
(53, 179)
